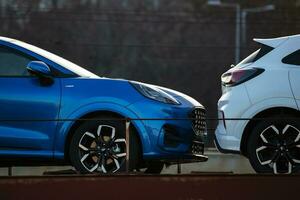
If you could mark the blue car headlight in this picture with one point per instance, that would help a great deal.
(154, 93)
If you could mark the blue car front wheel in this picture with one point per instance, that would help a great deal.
(99, 146)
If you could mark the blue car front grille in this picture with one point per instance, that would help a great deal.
(199, 121)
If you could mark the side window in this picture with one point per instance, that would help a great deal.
(257, 54)
(293, 58)
(13, 62)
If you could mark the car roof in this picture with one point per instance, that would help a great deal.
(6, 39)
(50, 56)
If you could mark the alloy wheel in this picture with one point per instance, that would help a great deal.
(102, 151)
(278, 147)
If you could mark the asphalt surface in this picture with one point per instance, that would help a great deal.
(217, 163)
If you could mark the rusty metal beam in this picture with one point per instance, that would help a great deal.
(127, 138)
(151, 187)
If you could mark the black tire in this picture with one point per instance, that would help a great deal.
(108, 150)
(272, 146)
(154, 167)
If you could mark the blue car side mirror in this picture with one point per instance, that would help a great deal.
(41, 70)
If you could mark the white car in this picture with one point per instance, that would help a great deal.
(260, 107)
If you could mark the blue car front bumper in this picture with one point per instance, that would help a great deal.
(175, 133)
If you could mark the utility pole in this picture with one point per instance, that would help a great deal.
(237, 34)
(237, 7)
(252, 10)
(240, 22)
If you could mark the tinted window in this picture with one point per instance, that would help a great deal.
(293, 58)
(257, 54)
(13, 62)
(74, 69)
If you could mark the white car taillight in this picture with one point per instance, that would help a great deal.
(238, 76)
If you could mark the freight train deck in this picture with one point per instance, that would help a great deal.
(194, 186)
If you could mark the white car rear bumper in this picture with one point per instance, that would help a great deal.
(232, 104)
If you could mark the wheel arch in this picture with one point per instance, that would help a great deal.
(263, 114)
(95, 114)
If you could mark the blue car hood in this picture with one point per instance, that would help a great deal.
(177, 95)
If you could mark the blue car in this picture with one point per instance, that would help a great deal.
(53, 111)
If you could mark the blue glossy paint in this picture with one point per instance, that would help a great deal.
(24, 98)
(72, 96)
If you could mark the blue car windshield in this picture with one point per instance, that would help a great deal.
(57, 59)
